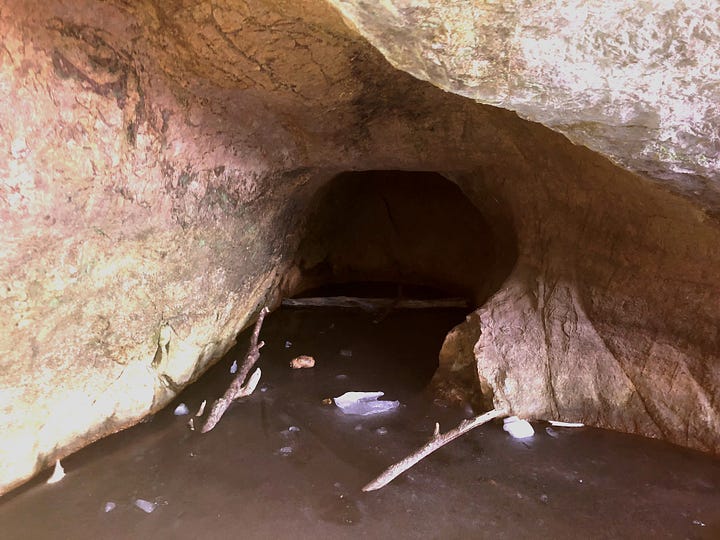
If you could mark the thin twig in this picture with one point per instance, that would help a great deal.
(237, 389)
(435, 442)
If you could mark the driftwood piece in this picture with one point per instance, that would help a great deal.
(435, 442)
(374, 304)
(237, 389)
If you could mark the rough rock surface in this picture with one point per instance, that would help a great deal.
(157, 163)
(636, 81)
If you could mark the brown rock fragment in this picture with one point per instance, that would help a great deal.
(302, 361)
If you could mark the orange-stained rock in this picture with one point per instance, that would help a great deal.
(302, 361)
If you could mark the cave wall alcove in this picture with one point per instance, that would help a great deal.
(161, 162)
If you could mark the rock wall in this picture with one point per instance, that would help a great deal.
(157, 160)
(635, 81)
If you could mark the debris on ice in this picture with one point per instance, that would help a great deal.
(364, 403)
(201, 410)
(558, 423)
(519, 429)
(145, 506)
(302, 361)
(181, 410)
(58, 473)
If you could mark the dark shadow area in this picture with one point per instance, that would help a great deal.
(413, 228)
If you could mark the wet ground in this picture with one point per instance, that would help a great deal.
(280, 464)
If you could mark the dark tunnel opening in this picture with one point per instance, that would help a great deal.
(402, 232)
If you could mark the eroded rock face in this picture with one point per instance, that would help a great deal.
(157, 163)
(635, 81)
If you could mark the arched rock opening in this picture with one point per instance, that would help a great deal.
(404, 227)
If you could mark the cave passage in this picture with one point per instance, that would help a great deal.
(411, 228)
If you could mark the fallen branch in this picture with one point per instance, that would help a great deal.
(237, 389)
(374, 304)
(435, 442)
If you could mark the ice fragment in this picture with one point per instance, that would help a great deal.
(285, 450)
(347, 353)
(558, 423)
(109, 506)
(364, 403)
(233, 368)
(519, 429)
(294, 428)
(288, 344)
(145, 506)
(181, 410)
(58, 473)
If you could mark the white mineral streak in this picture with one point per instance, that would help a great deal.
(636, 81)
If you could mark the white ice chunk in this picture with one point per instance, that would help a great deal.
(288, 344)
(364, 403)
(109, 506)
(294, 429)
(145, 506)
(201, 410)
(558, 423)
(519, 429)
(285, 450)
(233, 368)
(58, 473)
(181, 410)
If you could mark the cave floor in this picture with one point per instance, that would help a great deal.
(253, 477)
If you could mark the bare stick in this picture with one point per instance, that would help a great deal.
(236, 388)
(372, 304)
(435, 442)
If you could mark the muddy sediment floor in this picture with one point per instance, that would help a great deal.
(280, 464)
